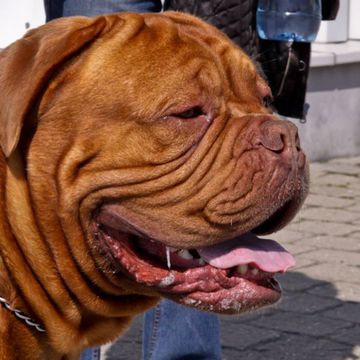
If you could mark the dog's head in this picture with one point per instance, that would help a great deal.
(150, 146)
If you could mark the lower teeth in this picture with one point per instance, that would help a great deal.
(242, 269)
(201, 262)
(185, 254)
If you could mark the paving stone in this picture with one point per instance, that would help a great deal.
(334, 215)
(349, 336)
(297, 282)
(333, 191)
(329, 202)
(355, 160)
(300, 247)
(317, 167)
(302, 262)
(326, 290)
(323, 228)
(335, 272)
(300, 323)
(316, 174)
(343, 290)
(337, 180)
(234, 353)
(355, 207)
(294, 347)
(248, 317)
(355, 234)
(347, 311)
(317, 170)
(355, 185)
(337, 168)
(333, 256)
(243, 336)
(287, 236)
(306, 303)
(331, 242)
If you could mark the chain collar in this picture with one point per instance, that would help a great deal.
(19, 314)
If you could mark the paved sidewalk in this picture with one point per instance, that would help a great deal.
(319, 315)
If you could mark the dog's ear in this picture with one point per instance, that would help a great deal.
(27, 64)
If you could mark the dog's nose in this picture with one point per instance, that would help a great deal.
(281, 137)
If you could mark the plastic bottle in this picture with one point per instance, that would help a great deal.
(288, 20)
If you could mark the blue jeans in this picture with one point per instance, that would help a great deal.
(91, 354)
(59, 8)
(175, 332)
(97, 7)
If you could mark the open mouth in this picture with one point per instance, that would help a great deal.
(234, 276)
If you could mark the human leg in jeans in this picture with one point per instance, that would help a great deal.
(97, 7)
(59, 8)
(175, 332)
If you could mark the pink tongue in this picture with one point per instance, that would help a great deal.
(267, 255)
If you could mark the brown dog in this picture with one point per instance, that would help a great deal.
(137, 155)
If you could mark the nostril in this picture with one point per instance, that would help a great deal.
(280, 137)
(274, 142)
(272, 139)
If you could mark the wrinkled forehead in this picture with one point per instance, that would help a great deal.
(176, 49)
(233, 59)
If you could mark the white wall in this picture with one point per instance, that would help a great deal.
(333, 122)
(18, 16)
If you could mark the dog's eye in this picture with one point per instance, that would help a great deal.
(190, 113)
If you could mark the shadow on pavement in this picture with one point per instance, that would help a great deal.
(309, 323)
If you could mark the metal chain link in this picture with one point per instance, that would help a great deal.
(19, 314)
